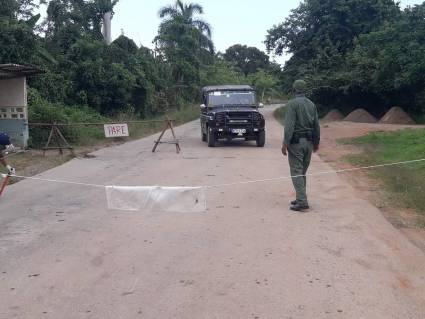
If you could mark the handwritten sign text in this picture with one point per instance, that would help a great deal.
(116, 130)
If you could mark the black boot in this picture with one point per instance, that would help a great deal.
(299, 208)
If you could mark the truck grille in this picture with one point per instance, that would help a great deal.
(220, 119)
(237, 119)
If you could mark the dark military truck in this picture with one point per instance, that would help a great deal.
(231, 112)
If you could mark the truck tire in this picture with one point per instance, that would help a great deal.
(211, 139)
(261, 139)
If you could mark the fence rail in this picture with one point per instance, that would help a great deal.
(96, 124)
(55, 133)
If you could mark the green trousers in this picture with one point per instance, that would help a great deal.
(299, 156)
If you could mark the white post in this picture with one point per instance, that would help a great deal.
(107, 28)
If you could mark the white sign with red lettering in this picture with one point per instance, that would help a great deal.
(116, 130)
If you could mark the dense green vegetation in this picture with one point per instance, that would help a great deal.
(405, 182)
(355, 53)
(279, 114)
(46, 112)
(85, 73)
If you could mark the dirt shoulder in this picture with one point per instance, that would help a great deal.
(32, 162)
(366, 186)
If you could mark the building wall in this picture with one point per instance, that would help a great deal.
(17, 130)
(13, 110)
(13, 92)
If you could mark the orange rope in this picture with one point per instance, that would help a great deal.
(3, 185)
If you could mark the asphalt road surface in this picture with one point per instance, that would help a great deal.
(63, 254)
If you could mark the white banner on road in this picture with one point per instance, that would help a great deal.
(157, 199)
(116, 130)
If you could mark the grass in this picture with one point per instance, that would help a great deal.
(404, 183)
(420, 119)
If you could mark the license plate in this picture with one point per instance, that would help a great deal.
(239, 131)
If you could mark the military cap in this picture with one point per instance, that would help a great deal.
(300, 86)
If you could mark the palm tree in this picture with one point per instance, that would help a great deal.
(186, 13)
(184, 39)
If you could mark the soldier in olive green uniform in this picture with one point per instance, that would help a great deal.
(301, 138)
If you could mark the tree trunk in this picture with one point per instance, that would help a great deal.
(107, 28)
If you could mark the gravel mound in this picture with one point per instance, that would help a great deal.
(396, 115)
(333, 115)
(360, 116)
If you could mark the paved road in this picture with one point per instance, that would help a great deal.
(64, 255)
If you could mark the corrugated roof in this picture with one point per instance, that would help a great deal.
(227, 88)
(10, 71)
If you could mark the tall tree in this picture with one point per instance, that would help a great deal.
(319, 33)
(263, 82)
(184, 40)
(390, 62)
(69, 20)
(18, 43)
(187, 14)
(19, 9)
(105, 9)
(248, 59)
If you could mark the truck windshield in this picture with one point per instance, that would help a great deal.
(231, 98)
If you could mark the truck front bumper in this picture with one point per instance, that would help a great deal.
(236, 132)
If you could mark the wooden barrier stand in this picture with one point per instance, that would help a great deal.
(62, 143)
(175, 141)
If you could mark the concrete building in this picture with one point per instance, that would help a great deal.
(13, 101)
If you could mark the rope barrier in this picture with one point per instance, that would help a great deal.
(317, 174)
(237, 183)
(53, 180)
(14, 154)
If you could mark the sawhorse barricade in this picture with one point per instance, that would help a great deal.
(174, 141)
(62, 143)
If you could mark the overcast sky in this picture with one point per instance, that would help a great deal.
(233, 21)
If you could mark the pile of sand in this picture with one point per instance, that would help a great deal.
(396, 115)
(333, 115)
(360, 116)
